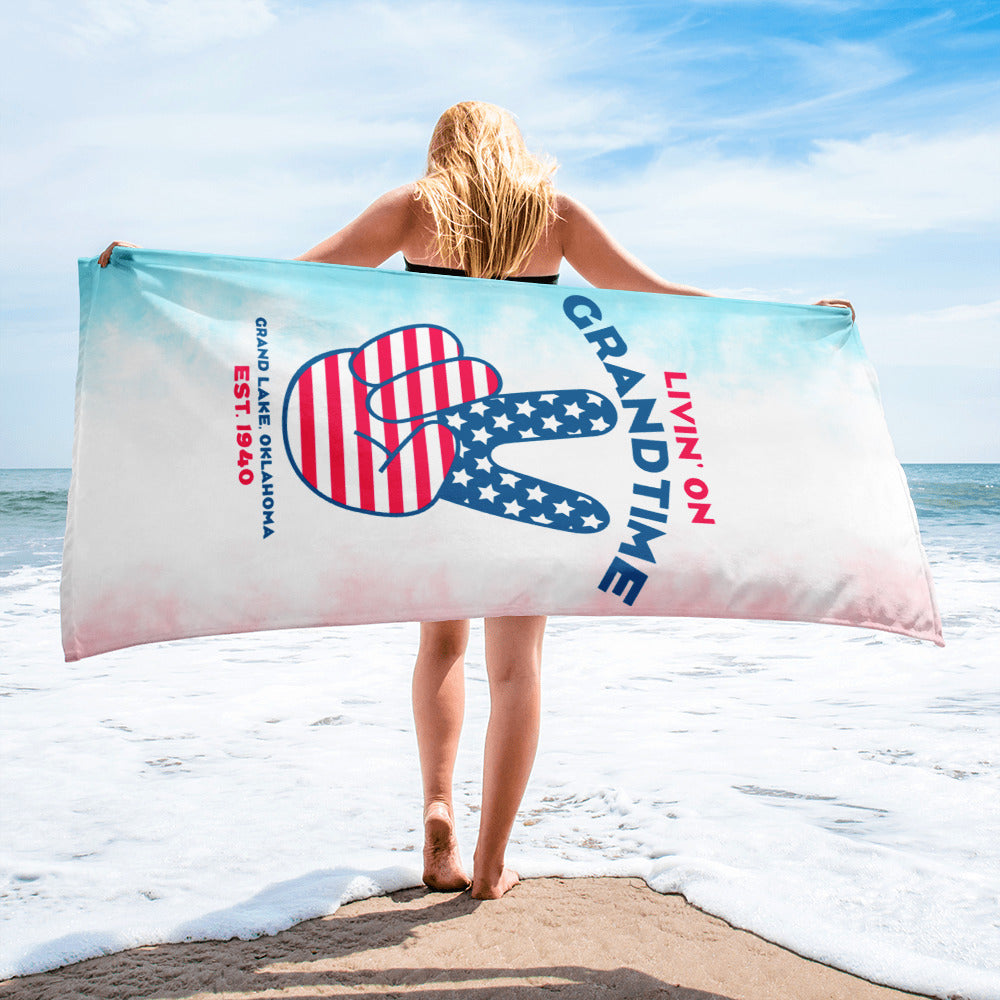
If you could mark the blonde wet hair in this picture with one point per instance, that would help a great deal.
(490, 198)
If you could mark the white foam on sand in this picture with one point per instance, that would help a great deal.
(834, 790)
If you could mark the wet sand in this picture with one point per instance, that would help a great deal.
(568, 938)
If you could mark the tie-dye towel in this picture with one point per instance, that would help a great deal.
(268, 444)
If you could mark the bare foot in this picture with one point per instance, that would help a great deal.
(494, 888)
(443, 870)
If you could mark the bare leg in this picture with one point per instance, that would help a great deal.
(513, 661)
(438, 709)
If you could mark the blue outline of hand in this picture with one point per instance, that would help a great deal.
(477, 481)
(478, 425)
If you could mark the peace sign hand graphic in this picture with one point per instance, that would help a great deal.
(407, 419)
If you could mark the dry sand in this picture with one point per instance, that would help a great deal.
(553, 937)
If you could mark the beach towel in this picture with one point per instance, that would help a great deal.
(267, 444)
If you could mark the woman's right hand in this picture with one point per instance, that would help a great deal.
(105, 257)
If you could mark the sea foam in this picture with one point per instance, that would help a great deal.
(834, 790)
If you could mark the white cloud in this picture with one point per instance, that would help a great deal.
(843, 67)
(259, 126)
(840, 6)
(964, 334)
(845, 198)
(754, 294)
(282, 134)
(163, 25)
(819, 75)
(942, 413)
(292, 129)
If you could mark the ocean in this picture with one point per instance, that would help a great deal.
(835, 790)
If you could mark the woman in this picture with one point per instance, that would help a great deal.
(486, 208)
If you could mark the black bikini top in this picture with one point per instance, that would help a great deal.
(535, 279)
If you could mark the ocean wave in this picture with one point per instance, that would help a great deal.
(33, 502)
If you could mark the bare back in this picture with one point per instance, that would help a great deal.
(419, 246)
(398, 222)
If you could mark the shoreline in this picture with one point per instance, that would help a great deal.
(575, 937)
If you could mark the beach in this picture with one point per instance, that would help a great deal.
(832, 790)
(718, 808)
(572, 938)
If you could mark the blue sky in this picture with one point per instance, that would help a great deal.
(766, 150)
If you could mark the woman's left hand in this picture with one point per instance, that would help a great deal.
(836, 302)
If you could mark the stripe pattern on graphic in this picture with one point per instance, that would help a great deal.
(344, 401)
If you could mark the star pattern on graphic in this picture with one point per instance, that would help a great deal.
(450, 419)
(477, 481)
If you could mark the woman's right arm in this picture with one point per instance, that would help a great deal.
(596, 256)
(105, 257)
(374, 236)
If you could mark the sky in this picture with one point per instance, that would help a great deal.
(781, 150)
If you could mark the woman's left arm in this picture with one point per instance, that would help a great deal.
(836, 302)
(374, 236)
